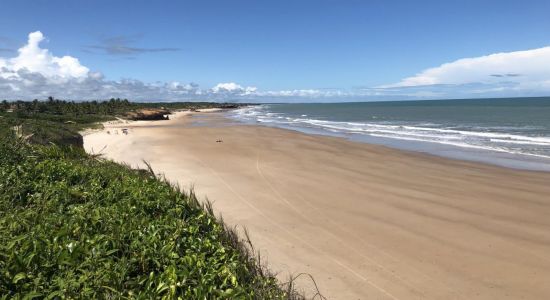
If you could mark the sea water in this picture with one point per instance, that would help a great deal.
(508, 132)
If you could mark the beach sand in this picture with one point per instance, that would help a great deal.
(368, 222)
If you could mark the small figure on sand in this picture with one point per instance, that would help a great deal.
(219, 141)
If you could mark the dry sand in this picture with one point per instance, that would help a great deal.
(368, 222)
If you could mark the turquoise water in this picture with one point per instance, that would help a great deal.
(511, 132)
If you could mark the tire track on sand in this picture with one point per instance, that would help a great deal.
(342, 242)
(294, 236)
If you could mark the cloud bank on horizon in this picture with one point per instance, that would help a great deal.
(527, 71)
(37, 73)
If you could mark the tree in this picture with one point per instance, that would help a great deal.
(5, 106)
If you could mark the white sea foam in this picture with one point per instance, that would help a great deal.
(487, 139)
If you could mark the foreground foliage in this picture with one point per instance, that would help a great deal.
(73, 226)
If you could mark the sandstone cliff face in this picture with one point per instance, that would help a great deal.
(74, 140)
(149, 114)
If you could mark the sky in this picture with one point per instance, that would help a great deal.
(263, 51)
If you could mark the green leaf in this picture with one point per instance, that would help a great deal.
(32, 295)
(18, 277)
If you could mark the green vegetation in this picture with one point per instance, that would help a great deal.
(58, 122)
(76, 226)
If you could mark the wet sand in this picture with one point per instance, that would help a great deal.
(368, 222)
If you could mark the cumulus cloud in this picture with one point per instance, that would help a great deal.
(231, 88)
(34, 59)
(519, 71)
(37, 73)
(34, 72)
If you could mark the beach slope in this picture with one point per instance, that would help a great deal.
(368, 222)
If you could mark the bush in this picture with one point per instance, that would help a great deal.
(73, 226)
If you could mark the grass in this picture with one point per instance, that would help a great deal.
(76, 226)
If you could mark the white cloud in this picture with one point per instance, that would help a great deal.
(525, 68)
(36, 73)
(232, 88)
(34, 59)
(226, 87)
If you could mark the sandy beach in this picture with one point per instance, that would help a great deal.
(368, 222)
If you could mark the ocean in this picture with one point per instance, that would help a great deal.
(508, 132)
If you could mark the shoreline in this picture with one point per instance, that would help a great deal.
(521, 143)
(461, 154)
(364, 220)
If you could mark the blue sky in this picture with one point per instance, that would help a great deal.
(354, 49)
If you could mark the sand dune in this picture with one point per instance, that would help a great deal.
(368, 222)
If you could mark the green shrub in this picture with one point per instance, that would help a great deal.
(72, 226)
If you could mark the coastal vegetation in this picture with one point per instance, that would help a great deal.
(59, 122)
(74, 225)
